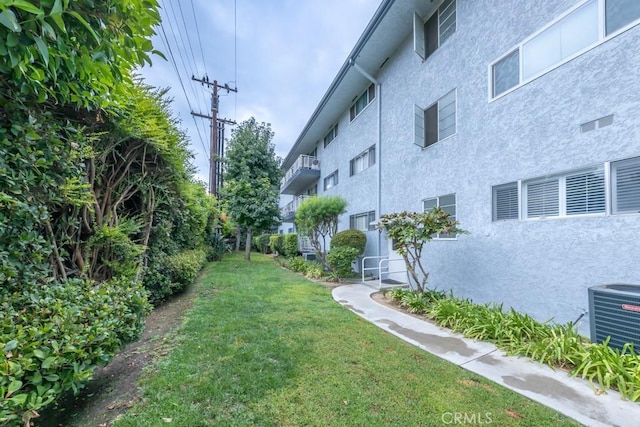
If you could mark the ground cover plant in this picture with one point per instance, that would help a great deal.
(557, 345)
(263, 346)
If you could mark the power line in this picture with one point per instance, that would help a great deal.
(167, 45)
(195, 19)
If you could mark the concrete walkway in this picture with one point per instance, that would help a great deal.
(570, 396)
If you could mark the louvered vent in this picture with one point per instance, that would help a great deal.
(615, 312)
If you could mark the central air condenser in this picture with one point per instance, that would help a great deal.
(615, 312)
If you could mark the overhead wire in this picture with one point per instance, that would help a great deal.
(167, 46)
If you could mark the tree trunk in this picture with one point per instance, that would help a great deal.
(238, 237)
(247, 249)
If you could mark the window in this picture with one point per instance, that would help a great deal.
(331, 181)
(573, 33)
(543, 198)
(625, 182)
(437, 122)
(577, 193)
(331, 135)
(363, 160)
(448, 204)
(429, 36)
(363, 221)
(505, 201)
(362, 101)
(506, 73)
(620, 13)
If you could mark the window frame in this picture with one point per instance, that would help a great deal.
(442, 236)
(370, 94)
(370, 218)
(423, 132)
(370, 153)
(602, 38)
(494, 202)
(334, 180)
(564, 194)
(331, 135)
(422, 45)
(614, 167)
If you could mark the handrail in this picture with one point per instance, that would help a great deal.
(381, 268)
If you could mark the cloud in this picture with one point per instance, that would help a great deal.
(288, 52)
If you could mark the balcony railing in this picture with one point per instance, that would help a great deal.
(289, 210)
(305, 170)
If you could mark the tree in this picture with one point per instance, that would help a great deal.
(409, 232)
(251, 179)
(317, 217)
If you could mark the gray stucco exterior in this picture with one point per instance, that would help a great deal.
(539, 266)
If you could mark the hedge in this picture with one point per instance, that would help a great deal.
(54, 336)
(351, 239)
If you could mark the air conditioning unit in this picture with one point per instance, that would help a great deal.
(615, 313)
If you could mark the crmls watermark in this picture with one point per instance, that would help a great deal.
(461, 418)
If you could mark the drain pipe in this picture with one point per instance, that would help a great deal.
(378, 86)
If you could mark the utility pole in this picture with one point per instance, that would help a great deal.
(217, 133)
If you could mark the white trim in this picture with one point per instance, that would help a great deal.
(608, 189)
(602, 38)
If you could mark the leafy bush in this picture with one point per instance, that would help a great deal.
(183, 268)
(340, 259)
(350, 239)
(310, 269)
(554, 344)
(290, 245)
(273, 243)
(261, 243)
(217, 247)
(55, 335)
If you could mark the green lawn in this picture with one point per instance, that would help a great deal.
(263, 346)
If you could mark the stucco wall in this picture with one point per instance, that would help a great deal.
(542, 267)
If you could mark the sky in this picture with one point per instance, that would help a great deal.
(281, 55)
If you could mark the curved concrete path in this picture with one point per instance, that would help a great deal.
(570, 396)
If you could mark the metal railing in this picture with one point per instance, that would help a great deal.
(302, 162)
(383, 268)
(291, 207)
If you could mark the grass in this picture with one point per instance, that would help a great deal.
(264, 347)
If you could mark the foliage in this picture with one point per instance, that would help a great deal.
(281, 352)
(72, 52)
(409, 231)
(350, 238)
(341, 258)
(290, 245)
(95, 189)
(308, 268)
(261, 243)
(216, 247)
(273, 243)
(557, 345)
(317, 217)
(252, 178)
(55, 335)
(184, 267)
(172, 274)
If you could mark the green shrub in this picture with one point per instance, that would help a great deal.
(298, 264)
(55, 335)
(217, 247)
(310, 269)
(351, 239)
(183, 268)
(261, 243)
(340, 259)
(290, 245)
(273, 243)
(280, 243)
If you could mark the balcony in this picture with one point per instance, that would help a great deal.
(304, 172)
(288, 212)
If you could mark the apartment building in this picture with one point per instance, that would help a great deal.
(519, 118)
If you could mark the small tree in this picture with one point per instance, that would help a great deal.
(409, 232)
(317, 217)
(252, 177)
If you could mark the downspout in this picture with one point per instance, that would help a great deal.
(378, 143)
